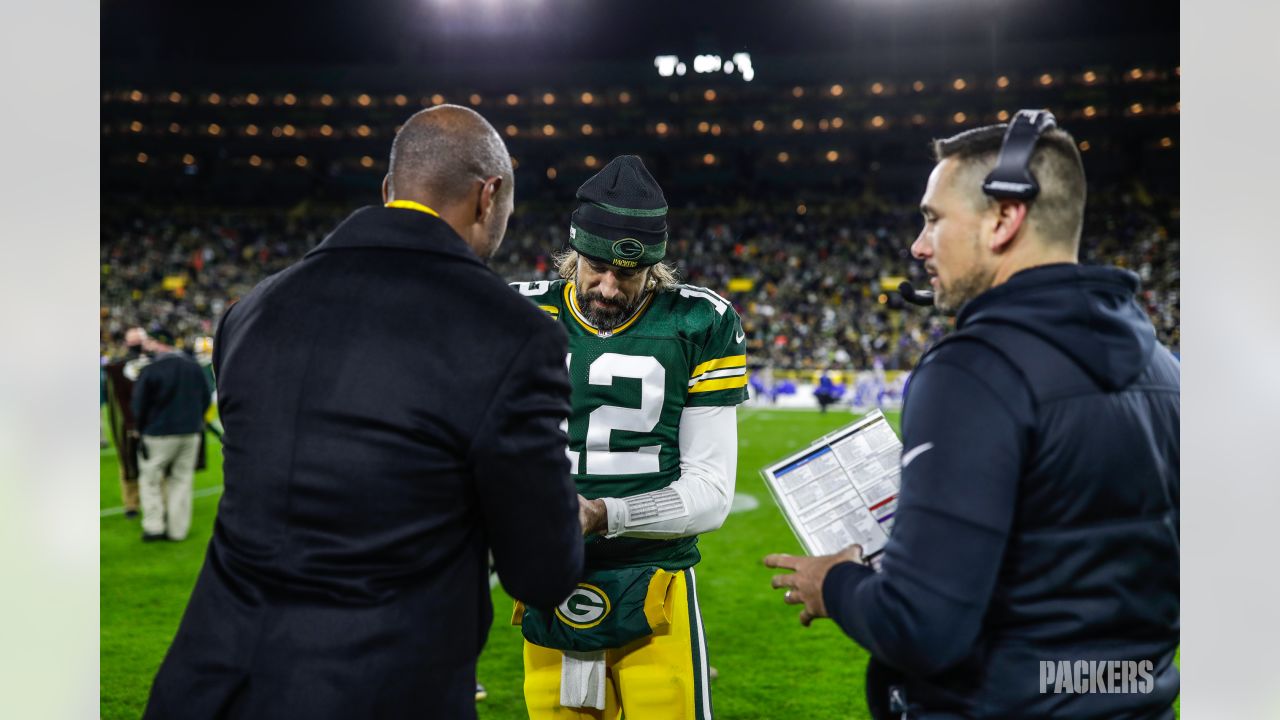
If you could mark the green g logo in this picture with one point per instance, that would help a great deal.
(585, 607)
(628, 249)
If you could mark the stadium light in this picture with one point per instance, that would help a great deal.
(1084, 146)
(757, 125)
(364, 131)
(877, 121)
(837, 122)
(142, 158)
(251, 130)
(136, 96)
(512, 131)
(1003, 116)
(1046, 79)
(1090, 111)
(797, 92)
(437, 99)
(708, 159)
(707, 64)
(214, 98)
(289, 130)
(959, 84)
(709, 95)
(959, 118)
(715, 129)
(366, 161)
(918, 86)
(401, 100)
(824, 124)
(681, 69)
(587, 129)
(1166, 142)
(624, 97)
(326, 130)
(784, 157)
(175, 97)
(214, 129)
(548, 98)
(301, 161)
(252, 98)
(364, 100)
(135, 126)
(832, 156)
(175, 128)
(837, 90)
(666, 64)
(290, 99)
(704, 126)
(877, 88)
(326, 99)
(1135, 74)
(591, 161)
(801, 209)
(548, 129)
(745, 68)
(551, 173)
(513, 99)
(255, 160)
(1090, 77)
(1002, 82)
(1136, 108)
(587, 98)
(475, 98)
(661, 128)
(797, 124)
(188, 159)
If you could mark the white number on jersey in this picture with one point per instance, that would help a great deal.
(607, 418)
(720, 303)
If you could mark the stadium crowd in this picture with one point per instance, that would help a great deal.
(807, 278)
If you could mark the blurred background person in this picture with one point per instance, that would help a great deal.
(169, 403)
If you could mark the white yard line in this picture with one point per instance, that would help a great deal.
(202, 492)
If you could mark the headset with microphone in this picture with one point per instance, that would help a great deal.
(1010, 179)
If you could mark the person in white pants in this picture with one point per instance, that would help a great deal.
(169, 401)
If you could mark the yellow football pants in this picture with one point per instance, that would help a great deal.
(659, 677)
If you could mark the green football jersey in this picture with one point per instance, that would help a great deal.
(683, 347)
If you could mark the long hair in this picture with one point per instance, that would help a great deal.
(662, 276)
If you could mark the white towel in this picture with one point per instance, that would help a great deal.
(582, 680)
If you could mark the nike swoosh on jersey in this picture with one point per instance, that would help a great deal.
(914, 453)
(740, 336)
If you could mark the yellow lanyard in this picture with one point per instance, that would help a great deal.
(411, 205)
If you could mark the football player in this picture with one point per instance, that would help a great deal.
(657, 370)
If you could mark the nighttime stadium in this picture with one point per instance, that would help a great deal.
(792, 143)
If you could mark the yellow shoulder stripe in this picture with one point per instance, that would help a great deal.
(550, 308)
(720, 364)
(728, 383)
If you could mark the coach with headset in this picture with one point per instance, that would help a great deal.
(1033, 565)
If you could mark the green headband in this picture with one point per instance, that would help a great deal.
(627, 252)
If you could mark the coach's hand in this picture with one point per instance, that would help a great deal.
(593, 516)
(804, 586)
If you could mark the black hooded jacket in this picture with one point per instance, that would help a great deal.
(1038, 518)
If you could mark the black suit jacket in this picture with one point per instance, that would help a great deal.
(392, 413)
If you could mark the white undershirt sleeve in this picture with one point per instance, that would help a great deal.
(700, 499)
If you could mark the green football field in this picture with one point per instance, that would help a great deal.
(770, 666)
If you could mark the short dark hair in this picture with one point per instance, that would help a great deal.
(440, 151)
(1058, 211)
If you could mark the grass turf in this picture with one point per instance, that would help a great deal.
(769, 665)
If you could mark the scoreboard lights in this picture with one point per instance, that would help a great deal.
(672, 65)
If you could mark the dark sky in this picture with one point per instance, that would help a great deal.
(326, 32)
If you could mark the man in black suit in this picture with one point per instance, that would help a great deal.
(392, 414)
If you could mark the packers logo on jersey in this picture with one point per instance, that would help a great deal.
(585, 607)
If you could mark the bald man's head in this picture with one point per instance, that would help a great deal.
(441, 152)
(452, 160)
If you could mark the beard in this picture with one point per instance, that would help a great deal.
(608, 316)
(953, 296)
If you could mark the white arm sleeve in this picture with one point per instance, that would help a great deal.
(700, 499)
